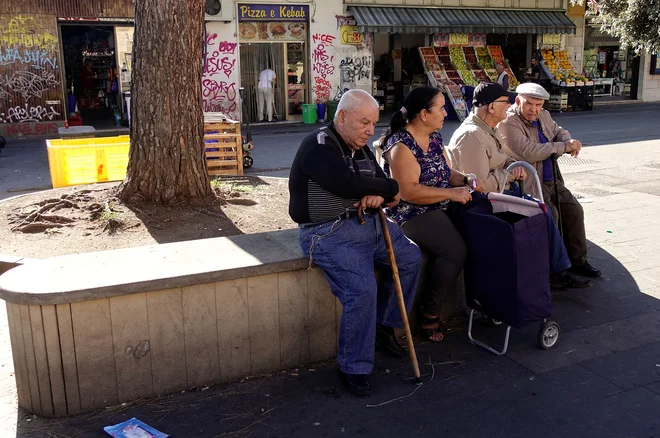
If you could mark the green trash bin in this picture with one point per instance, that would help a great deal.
(332, 109)
(309, 113)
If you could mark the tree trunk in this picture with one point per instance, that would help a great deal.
(167, 163)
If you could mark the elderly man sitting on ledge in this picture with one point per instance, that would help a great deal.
(530, 134)
(332, 176)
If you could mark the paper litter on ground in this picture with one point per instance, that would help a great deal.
(133, 428)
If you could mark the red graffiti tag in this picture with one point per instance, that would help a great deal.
(227, 47)
(27, 129)
(323, 38)
(218, 84)
(322, 65)
(218, 91)
(224, 65)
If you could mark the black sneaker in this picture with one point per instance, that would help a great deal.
(586, 270)
(386, 341)
(564, 280)
(357, 384)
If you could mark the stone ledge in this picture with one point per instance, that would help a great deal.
(90, 276)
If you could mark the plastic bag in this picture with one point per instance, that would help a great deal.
(133, 428)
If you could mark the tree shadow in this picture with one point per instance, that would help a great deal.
(204, 220)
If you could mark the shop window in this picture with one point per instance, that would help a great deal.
(655, 65)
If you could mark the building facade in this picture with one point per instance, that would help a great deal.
(50, 50)
(74, 57)
(311, 47)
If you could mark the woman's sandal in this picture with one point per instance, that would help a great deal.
(432, 333)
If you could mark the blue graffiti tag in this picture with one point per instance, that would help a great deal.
(36, 58)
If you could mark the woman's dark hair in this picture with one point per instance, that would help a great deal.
(418, 99)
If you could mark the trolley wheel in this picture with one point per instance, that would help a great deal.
(548, 335)
(247, 162)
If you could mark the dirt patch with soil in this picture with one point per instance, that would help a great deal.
(90, 218)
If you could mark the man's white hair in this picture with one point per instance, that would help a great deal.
(353, 99)
(499, 66)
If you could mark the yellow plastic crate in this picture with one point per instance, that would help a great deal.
(87, 160)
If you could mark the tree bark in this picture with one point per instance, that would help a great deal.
(166, 160)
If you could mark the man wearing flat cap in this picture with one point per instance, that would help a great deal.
(530, 134)
(476, 148)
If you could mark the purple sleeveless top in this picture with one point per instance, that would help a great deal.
(435, 172)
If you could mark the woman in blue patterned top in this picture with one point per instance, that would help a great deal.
(415, 158)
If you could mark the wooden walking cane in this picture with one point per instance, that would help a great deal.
(399, 291)
(555, 172)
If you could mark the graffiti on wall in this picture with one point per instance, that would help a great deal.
(26, 129)
(219, 89)
(30, 90)
(27, 113)
(26, 31)
(322, 65)
(27, 83)
(354, 69)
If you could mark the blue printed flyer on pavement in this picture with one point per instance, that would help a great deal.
(133, 428)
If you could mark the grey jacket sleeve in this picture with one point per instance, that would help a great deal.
(521, 147)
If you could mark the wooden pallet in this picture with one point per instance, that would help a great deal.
(223, 147)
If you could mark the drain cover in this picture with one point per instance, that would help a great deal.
(591, 192)
(566, 160)
(652, 188)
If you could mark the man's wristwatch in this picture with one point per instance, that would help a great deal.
(468, 178)
(465, 180)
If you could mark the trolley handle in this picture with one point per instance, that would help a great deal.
(529, 169)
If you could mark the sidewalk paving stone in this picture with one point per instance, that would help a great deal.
(643, 329)
(631, 413)
(630, 369)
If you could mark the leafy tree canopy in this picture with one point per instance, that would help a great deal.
(635, 22)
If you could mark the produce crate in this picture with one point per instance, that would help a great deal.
(223, 147)
(87, 160)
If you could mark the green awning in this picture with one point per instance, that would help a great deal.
(380, 19)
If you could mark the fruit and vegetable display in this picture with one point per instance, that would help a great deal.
(438, 62)
(455, 95)
(559, 69)
(430, 59)
(426, 51)
(496, 54)
(453, 66)
(439, 73)
(472, 61)
(513, 82)
(492, 74)
(471, 58)
(481, 75)
(483, 57)
(457, 58)
(454, 76)
(445, 60)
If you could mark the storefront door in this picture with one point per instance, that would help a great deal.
(273, 37)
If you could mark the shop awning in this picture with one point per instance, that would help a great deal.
(440, 20)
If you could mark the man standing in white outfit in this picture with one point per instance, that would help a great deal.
(265, 93)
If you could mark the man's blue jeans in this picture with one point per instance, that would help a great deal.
(348, 252)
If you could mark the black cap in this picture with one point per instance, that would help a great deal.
(487, 93)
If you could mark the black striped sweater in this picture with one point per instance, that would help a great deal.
(326, 178)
